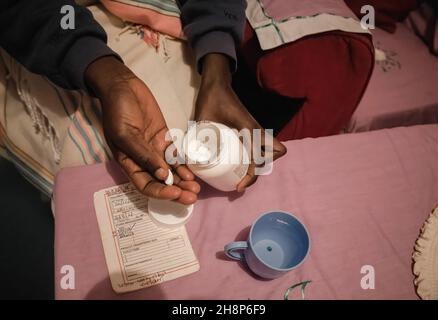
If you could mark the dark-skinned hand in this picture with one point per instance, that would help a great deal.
(218, 102)
(135, 130)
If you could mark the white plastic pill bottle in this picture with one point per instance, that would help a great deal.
(215, 154)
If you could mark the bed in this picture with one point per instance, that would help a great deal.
(403, 88)
(363, 198)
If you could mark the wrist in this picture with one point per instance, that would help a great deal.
(216, 71)
(104, 73)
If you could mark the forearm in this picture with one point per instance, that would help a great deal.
(215, 84)
(30, 31)
(103, 74)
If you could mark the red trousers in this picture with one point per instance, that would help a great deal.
(330, 71)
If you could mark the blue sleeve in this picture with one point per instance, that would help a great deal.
(213, 26)
(31, 32)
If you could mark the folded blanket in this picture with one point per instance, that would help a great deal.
(277, 22)
(159, 15)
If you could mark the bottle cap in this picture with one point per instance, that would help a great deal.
(169, 214)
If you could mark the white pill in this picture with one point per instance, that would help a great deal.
(169, 179)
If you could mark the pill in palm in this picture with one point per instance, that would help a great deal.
(169, 179)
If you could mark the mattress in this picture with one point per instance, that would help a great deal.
(363, 198)
(403, 89)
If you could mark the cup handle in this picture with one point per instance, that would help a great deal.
(231, 249)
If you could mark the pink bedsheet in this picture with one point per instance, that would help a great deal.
(407, 92)
(363, 198)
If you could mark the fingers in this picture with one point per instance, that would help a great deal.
(249, 179)
(134, 146)
(184, 192)
(279, 149)
(187, 198)
(145, 183)
(161, 174)
(183, 172)
(191, 186)
(274, 152)
(184, 184)
(189, 190)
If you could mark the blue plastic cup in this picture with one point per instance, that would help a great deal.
(278, 243)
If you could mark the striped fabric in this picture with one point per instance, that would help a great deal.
(83, 144)
(44, 128)
(85, 131)
(33, 171)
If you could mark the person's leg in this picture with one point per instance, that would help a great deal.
(329, 71)
(333, 72)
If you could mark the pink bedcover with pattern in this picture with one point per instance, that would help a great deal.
(363, 198)
(403, 90)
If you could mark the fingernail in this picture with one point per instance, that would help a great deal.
(161, 174)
